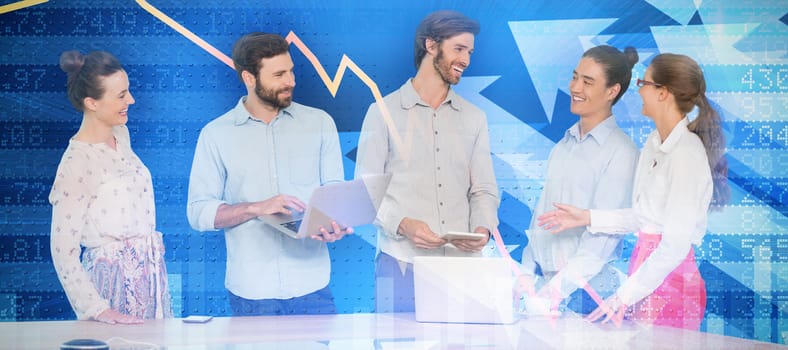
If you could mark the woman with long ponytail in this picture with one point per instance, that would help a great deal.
(707, 126)
(681, 175)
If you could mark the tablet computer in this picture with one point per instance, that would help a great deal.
(454, 235)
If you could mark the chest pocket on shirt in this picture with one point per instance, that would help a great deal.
(459, 145)
(303, 158)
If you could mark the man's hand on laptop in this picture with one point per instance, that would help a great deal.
(279, 204)
(420, 234)
(229, 215)
(336, 233)
(473, 245)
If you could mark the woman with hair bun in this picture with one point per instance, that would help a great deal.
(102, 200)
(681, 175)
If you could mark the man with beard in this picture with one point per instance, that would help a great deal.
(265, 156)
(436, 145)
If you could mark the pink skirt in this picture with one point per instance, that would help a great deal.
(680, 301)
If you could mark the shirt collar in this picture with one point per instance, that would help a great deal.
(599, 133)
(673, 138)
(241, 115)
(410, 98)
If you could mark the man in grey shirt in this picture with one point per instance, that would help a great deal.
(436, 145)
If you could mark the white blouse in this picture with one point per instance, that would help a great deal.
(99, 196)
(671, 196)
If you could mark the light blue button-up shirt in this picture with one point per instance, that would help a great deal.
(241, 159)
(594, 171)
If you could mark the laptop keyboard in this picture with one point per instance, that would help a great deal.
(293, 225)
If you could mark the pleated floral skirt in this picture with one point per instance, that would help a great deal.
(132, 276)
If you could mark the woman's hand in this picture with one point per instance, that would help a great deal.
(564, 217)
(111, 316)
(612, 308)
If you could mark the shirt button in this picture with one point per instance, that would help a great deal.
(436, 132)
(443, 221)
(439, 185)
(441, 203)
(439, 168)
(437, 149)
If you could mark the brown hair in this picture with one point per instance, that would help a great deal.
(439, 26)
(84, 73)
(617, 65)
(251, 48)
(682, 76)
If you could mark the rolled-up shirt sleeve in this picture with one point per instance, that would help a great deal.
(483, 194)
(331, 166)
(206, 185)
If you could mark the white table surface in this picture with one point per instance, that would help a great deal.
(365, 332)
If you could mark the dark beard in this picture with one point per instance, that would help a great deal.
(270, 98)
(446, 74)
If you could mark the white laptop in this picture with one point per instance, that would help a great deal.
(463, 290)
(349, 203)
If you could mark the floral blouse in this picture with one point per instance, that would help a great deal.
(100, 195)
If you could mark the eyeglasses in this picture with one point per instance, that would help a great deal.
(642, 83)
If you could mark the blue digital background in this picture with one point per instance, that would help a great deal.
(519, 75)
